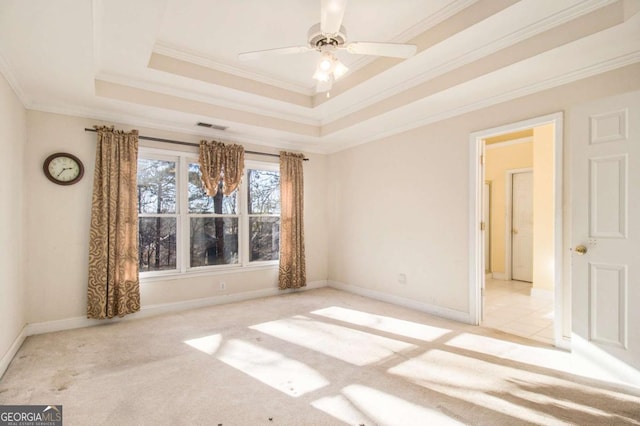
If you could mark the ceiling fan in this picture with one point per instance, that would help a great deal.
(329, 36)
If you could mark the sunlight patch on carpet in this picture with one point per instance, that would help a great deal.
(287, 375)
(360, 404)
(341, 408)
(414, 330)
(529, 395)
(531, 355)
(352, 346)
(207, 344)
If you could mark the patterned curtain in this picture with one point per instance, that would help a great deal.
(114, 287)
(292, 273)
(220, 162)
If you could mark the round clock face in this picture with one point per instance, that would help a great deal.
(63, 168)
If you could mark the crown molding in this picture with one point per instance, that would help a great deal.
(431, 21)
(200, 59)
(200, 97)
(414, 31)
(550, 83)
(171, 126)
(327, 147)
(5, 70)
(539, 27)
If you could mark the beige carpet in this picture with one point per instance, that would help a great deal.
(320, 357)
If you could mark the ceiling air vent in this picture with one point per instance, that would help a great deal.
(211, 126)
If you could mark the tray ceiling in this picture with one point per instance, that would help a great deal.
(168, 64)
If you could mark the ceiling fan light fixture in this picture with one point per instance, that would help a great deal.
(339, 69)
(328, 69)
(329, 36)
(326, 62)
(321, 75)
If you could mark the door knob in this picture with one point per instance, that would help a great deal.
(515, 231)
(580, 250)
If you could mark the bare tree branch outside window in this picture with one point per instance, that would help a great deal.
(212, 224)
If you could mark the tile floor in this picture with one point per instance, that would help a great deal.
(509, 307)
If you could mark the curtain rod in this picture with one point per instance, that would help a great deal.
(151, 138)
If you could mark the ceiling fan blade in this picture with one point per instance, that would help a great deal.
(394, 50)
(246, 56)
(331, 14)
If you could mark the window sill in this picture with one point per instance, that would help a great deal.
(172, 276)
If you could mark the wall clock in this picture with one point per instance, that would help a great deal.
(63, 168)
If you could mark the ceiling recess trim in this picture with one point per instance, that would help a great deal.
(200, 97)
(468, 57)
(591, 71)
(208, 75)
(186, 55)
(418, 29)
(152, 98)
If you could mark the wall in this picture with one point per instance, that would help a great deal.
(401, 204)
(543, 208)
(396, 207)
(58, 223)
(13, 139)
(499, 159)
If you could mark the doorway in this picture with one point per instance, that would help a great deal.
(514, 303)
(501, 276)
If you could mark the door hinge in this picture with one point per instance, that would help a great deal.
(482, 159)
(482, 226)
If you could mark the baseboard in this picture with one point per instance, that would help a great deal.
(13, 349)
(153, 310)
(542, 293)
(499, 276)
(402, 301)
(564, 343)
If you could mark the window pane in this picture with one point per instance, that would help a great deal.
(157, 243)
(214, 241)
(264, 242)
(156, 186)
(200, 202)
(264, 192)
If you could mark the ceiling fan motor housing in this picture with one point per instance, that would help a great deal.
(318, 40)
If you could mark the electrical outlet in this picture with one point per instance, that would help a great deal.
(402, 278)
(223, 285)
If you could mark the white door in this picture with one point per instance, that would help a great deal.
(522, 226)
(486, 219)
(605, 217)
(486, 253)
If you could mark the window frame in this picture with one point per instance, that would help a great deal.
(183, 217)
(165, 156)
(256, 165)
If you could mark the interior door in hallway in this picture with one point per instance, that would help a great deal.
(522, 226)
(486, 220)
(605, 230)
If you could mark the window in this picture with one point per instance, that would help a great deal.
(183, 230)
(264, 214)
(213, 224)
(157, 214)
